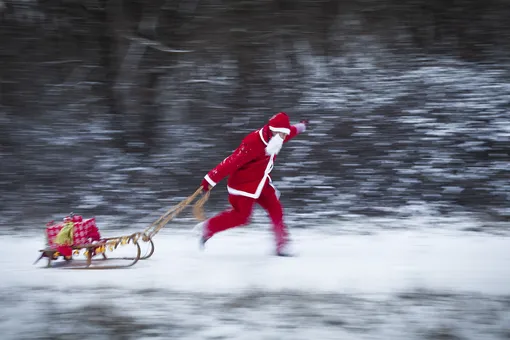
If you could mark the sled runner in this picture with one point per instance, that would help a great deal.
(75, 237)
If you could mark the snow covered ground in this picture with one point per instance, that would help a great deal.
(404, 284)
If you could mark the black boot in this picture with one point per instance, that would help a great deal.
(284, 251)
(203, 240)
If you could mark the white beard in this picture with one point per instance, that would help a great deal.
(274, 146)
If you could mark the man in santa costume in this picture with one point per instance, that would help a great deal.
(249, 182)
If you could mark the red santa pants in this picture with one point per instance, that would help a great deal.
(242, 208)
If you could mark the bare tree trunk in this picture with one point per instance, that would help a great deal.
(108, 17)
(151, 113)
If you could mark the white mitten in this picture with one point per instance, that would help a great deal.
(301, 127)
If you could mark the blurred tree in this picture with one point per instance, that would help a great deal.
(178, 82)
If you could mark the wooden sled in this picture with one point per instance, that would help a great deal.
(87, 242)
(76, 236)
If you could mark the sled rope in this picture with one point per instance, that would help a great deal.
(198, 208)
(156, 226)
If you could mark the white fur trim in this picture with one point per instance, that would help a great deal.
(257, 193)
(262, 137)
(210, 181)
(301, 127)
(284, 130)
(276, 191)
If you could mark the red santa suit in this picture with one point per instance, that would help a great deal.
(248, 169)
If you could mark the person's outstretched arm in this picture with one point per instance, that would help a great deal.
(296, 129)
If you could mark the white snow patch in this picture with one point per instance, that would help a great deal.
(91, 201)
(237, 260)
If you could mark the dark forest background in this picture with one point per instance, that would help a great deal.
(119, 108)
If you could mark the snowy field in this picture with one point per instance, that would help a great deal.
(387, 285)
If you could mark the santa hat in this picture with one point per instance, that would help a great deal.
(280, 123)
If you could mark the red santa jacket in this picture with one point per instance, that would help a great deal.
(248, 167)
